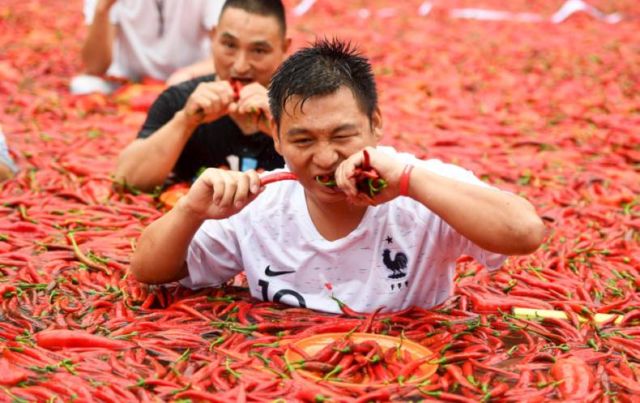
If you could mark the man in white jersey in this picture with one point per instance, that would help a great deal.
(301, 242)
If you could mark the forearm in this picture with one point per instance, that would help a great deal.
(97, 48)
(146, 163)
(201, 68)
(494, 220)
(198, 69)
(161, 250)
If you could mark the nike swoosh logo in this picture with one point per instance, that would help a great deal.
(271, 273)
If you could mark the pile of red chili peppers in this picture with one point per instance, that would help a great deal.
(548, 111)
(365, 362)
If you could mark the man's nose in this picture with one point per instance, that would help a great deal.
(241, 65)
(325, 157)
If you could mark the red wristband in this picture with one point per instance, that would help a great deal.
(405, 179)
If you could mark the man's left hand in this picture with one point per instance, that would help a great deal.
(251, 111)
(389, 168)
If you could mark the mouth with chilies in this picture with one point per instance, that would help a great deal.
(368, 180)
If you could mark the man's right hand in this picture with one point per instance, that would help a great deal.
(210, 101)
(219, 194)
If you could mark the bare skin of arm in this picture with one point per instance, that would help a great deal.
(97, 49)
(146, 163)
(497, 221)
(162, 247)
(5, 172)
(201, 68)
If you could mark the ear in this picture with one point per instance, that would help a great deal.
(376, 124)
(286, 45)
(275, 135)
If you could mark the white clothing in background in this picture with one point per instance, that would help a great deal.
(157, 37)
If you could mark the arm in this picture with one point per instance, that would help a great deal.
(161, 250)
(96, 50)
(147, 162)
(162, 247)
(497, 221)
(201, 68)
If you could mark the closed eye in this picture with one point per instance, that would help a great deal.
(302, 141)
(229, 45)
(341, 137)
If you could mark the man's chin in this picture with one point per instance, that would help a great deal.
(328, 194)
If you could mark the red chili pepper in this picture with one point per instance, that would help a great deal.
(457, 375)
(575, 377)
(378, 395)
(10, 374)
(498, 390)
(366, 326)
(277, 176)
(325, 353)
(627, 383)
(237, 87)
(346, 309)
(317, 366)
(411, 367)
(200, 396)
(326, 180)
(366, 163)
(59, 339)
(300, 352)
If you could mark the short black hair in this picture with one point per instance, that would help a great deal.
(265, 8)
(322, 69)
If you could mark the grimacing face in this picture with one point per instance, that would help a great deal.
(315, 138)
(247, 47)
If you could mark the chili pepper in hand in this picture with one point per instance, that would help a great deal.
(237, 86)
(276, 177)
(368, 181)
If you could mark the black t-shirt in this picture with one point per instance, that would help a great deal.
(211, 143)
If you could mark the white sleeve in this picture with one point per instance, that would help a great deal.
(211, 13)
(213, 256)
(436, 166)
(453, 172)
(490, 260)
(89, 11)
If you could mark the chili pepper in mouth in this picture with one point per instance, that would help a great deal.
(326, 180)
(368, 181)
(237, 87)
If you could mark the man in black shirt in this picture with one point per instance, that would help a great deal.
(220, 119)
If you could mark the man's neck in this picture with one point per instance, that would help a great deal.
(334, 220)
